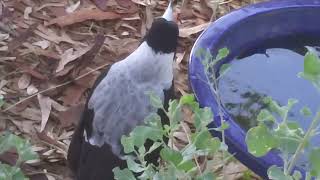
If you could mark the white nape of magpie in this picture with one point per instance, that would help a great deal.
(118, 102)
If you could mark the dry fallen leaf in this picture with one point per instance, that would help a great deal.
(51, 35)
(16, 42)
(27, 12)
(101, 4)
(186, 32)
(125, 3)
(45, 107)
(73, 7)
(83, 15)
(234, 170)
(44, 44)
(32, 89)
(180, 57)
(31, 113)
(72, 95)
(122, 46)
(4, 36)
(70, 55)
(24, 126)
(24, 81)
(70, 116)
(50, 140)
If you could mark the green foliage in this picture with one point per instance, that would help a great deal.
(314, 159)
(260, 140)
(8, 172)
(285, 135)
(124, 174)
(1, 100)
(176, 164)
(305, 111)
(23, 148)
(276, 173)
(311, 71)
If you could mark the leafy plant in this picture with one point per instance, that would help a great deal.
(9, 141)
(176, 163)
(285, 135)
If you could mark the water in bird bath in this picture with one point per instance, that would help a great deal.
(273, 74)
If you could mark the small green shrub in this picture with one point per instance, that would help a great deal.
(9, 141)
(176, 164)
(288, 136)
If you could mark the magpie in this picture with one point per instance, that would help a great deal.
(118, 102)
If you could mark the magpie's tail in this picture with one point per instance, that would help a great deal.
(90, 162)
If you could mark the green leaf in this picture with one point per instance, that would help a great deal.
(275, 107)
(276, 173)
(295, 129)
(174, 112)
(124, 174)
(187, 99)
(173, 105)
(260, 140)
(171, 173)
(25, 151)
(23, 147)
(133, 166)
(204, 141)
(1, 100)
(224, 69)
(142, 150)
(311, 64)
(171, 155)
(149, 173)
(305, 111)
(154, 146)
(297, 175)
(189, 151)
(207, 176)
(141, 133)
(154, 120)
(155, 100)
(265, 116)
(222, 53)
(225, 125)
(314, 158)
(203, 53)
(187, 165)
(201, 139)
(214, 145)
(11, 172)
(7, 142)
(202, 118)
(127, 143)
(287, 134)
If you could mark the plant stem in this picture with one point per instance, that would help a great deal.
(285, 163)
(306, 137)
(215, 91)
(194, 157)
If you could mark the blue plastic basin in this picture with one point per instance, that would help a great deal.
(245, 30)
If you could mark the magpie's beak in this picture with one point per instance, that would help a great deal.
(168, 14)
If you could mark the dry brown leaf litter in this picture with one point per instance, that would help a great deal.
(45, 45)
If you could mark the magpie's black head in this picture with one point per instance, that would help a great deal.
(163, 36)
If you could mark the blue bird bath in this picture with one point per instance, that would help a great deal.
(250, 30)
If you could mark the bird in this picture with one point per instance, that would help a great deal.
(118, 102)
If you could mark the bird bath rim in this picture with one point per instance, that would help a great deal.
(216, 37)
